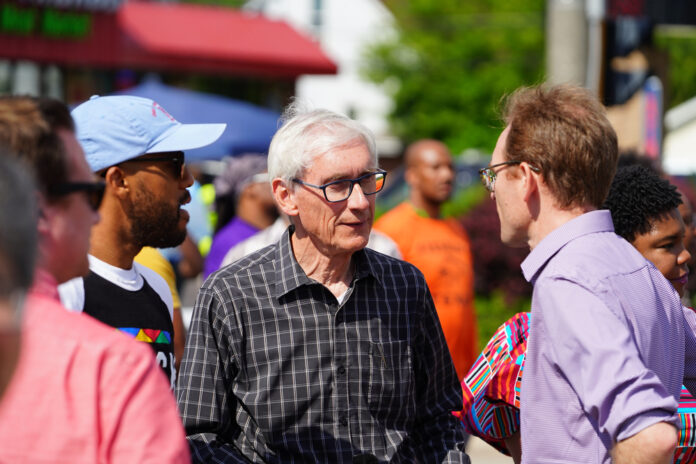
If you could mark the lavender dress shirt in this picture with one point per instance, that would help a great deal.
(607, 347)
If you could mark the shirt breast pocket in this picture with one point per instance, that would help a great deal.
(391, 389)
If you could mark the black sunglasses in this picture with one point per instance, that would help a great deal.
(177, 158)
(94, 191)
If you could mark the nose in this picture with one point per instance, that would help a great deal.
(683, 257)
(358, 199)
(187, 178)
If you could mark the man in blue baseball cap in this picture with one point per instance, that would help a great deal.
(138, 149)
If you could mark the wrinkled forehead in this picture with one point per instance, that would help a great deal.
(354, 155)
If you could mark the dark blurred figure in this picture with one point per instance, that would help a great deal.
(438, 247)
(18, 242)
(244, 203)
(82, 392)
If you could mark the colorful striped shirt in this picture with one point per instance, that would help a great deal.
(492, 392)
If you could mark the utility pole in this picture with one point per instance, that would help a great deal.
(566, 42)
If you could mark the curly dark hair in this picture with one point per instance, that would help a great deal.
(638, 196)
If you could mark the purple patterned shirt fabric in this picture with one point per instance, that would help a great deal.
(607, 350)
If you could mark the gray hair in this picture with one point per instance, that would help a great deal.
(18, 227)
(307, 134)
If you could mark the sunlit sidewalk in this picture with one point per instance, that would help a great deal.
(481, 453)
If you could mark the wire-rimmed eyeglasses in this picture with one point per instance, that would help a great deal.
(340, 190)
(488, 175)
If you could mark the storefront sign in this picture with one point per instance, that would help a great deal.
(45, 22)
(85, 5)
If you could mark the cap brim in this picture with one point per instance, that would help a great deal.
(187, 137)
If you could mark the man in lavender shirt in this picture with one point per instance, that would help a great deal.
(608, 348)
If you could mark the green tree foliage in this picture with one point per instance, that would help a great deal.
(680, 46)
(450, 63)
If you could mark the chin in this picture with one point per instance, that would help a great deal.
(355, 244)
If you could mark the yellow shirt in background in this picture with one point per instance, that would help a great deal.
(153, 259)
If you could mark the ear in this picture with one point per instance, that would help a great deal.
(530, 181)
(284, 197)
(45, 215)
(409, 176)
(116, 181)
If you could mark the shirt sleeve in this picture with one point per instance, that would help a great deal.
(138, 413)
(208, 367)
(439, 435)
(596, 353)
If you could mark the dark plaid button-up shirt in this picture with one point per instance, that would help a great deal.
(277, 371)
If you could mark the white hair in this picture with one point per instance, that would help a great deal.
(306, 134)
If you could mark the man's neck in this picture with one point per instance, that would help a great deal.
(335, 272)
(551, 220)
(431, 209)
(108, 244)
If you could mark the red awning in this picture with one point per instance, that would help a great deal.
(209, 38)
(180, 37)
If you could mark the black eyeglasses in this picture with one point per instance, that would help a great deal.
(177, 158)
(94, 191)
(340, 190)
(488, 175)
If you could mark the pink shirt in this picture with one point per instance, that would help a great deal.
(84, 393)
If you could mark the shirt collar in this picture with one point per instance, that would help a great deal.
(588, 223)
(45, 284)
(290, 275)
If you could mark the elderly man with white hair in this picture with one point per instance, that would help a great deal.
(316, 349)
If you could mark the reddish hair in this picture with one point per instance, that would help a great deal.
(564, 132)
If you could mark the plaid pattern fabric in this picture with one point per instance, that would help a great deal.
(276, 370)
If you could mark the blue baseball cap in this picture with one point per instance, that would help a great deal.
(115, 129)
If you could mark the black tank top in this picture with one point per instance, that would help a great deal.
(141, 314)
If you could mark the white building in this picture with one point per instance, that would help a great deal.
(679, 150)
(344, 28)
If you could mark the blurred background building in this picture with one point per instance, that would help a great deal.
(73, 49)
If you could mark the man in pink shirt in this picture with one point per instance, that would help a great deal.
(82, 392)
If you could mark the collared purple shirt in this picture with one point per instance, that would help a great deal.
(606, 353)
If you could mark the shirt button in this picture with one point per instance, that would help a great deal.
(344, 421)
(341, 370)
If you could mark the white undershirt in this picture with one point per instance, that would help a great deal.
(72, 292)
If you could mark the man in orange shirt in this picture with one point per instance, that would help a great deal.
(436, 246)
